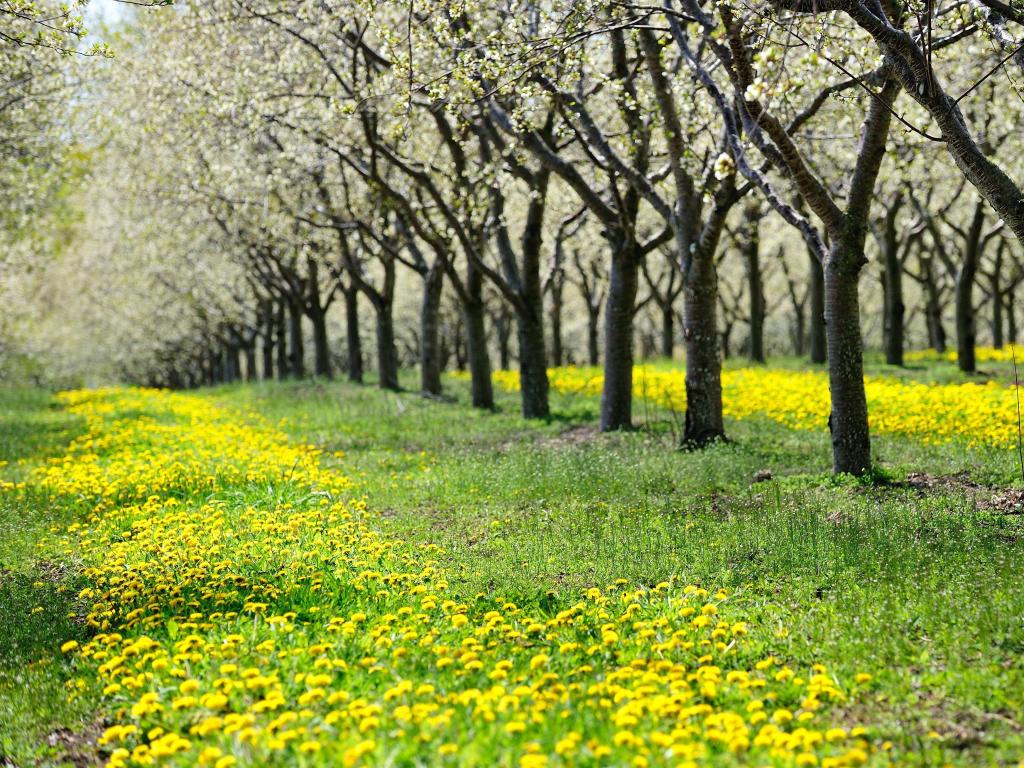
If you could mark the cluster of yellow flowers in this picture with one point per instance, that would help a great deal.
(139, 443)
(981, 354)
(247, 609)
(980, 414)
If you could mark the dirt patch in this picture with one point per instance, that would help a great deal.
(925, 483)
(1008, 502)
(53, 572)
(576, 435)
(570, 437)
(77, 748)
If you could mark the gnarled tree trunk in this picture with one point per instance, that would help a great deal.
(848, 422)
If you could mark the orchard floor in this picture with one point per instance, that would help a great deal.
(914, 579)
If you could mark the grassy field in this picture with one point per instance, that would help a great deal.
(912, 578)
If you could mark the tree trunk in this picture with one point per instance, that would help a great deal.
(216, 367)
(296, 349)
(268, 343)
(617, 394)
(477, 357)
(459, 341)
(817, 343)
(430, 339)
(998, 339)
(703, 362)
(668, 330)
(283, 361)
(895, 310)
(533, 373)
(799, 330)
(231, 364)
(387, 351)
(966, 325)
(933, 316)
(321, 349)
(848, 422)
(966, 328)
(557, 353)
(755, 282)
(250, 361)
(503, 330)
(593, 335)
(353, 342)
(1011, 318)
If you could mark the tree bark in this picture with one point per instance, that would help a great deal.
(283, 361)
(477, 358)
(533, 373)
(503, 330)
(817, 343)
(998, 340)
(353, 341)
(593, 336)
(933, 311)
(848, 422)
(533, 357)
(268, 342)
(799, 330)
(430, 323)
(668, 330)
(557, 352)
(387, 351)
(296, 347)
(703, 362)
(216, 366)
(966, 324)
(617, 393)
(321, 348)
(250, 361)
(1011, 319)
(755, 282)
(232, 364)
(894, 308)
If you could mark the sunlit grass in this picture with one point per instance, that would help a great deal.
(866, 580)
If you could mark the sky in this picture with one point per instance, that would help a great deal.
(100, 13)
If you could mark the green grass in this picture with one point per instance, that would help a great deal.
(35, 591)
(920, 588)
